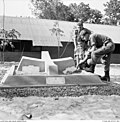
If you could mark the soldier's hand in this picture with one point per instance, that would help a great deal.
(80, 63)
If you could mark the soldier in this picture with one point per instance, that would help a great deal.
(101, 47)
(81, 45)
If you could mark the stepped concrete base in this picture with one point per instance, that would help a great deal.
(47, 71)
(74, 79)
(21, 80)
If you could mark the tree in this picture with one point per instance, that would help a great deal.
(64, 13)
(6, 38)
(113, 10)
(95, 16)
(81, 11)
(56, 10)
(51, 9)
(58, 33)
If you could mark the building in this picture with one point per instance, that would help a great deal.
(36, 37)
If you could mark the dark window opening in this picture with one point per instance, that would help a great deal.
(117, 49)
(26, 46)
(36, 48)
(19, 45)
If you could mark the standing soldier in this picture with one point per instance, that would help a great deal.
(80, 45)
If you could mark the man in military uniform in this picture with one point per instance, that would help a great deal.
(81, 45)
(101, 47)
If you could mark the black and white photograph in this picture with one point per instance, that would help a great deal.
(60, 60)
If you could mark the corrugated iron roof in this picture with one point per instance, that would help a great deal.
(31, 29)
(38, 30)
(111, 31)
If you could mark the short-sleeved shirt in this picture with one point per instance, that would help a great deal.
(98, 40)
(82, 46)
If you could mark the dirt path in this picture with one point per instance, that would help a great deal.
(69, 108)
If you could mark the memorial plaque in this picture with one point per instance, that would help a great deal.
(55, 80)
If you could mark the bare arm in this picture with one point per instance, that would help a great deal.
(87, 56)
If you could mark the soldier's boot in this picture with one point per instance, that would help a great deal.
(91, 68)
(106, 77)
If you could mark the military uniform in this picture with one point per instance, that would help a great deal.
(81, 47)
(104, 48)
(100, 47)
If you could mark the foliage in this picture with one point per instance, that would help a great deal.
(95, 16)
(6, 38)
(81, 11)
(56, 30)
(56, 10)
(51, 9)
(58, 33)
(113, 10)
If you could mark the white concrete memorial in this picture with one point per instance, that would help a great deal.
(47, 71)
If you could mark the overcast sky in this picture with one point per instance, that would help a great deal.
(21, 7)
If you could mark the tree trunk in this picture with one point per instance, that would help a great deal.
(3, 54)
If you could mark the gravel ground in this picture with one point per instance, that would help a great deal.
(54, 91)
